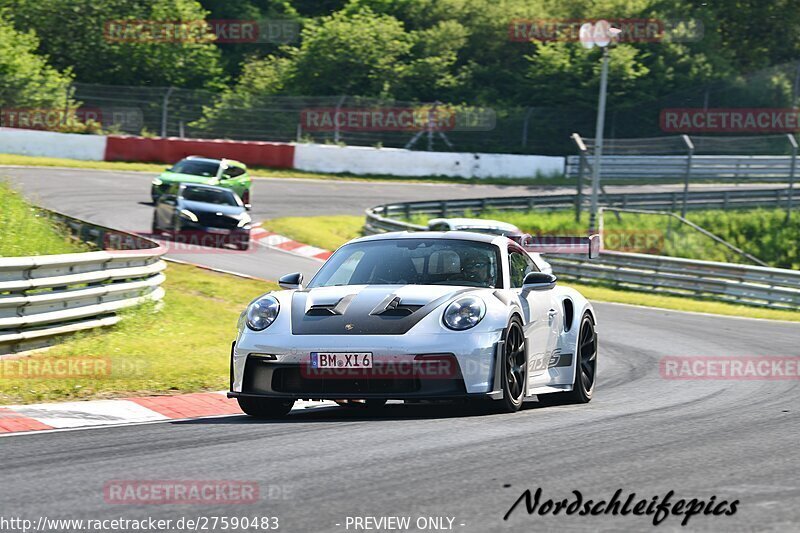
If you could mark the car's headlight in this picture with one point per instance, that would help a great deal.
(464, 313)
(262, 313)
(244, 219)
(157, 182)
(185, 213)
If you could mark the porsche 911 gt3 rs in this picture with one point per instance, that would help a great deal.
(419, 316)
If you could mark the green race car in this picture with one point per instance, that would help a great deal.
(194, 169)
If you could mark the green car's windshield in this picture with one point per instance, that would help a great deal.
(196, 168)
(210, 196)
(414, 262)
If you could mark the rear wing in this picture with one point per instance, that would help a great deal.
(550, 244)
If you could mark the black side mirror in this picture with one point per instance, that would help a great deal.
(291, 281)
(539, 281)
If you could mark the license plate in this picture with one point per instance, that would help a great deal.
(341, 360)
(219, 231)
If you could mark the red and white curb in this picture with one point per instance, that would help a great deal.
(273, 240)
(86, 414)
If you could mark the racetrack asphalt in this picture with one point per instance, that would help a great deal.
(642, 433)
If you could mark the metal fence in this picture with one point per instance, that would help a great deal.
(49, 295)
(727, 282)
(656, 159)
(774, 288)
(170, 111)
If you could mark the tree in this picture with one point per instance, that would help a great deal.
(26, 79)
(76, 34)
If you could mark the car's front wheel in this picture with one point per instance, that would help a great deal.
(515, 367)
(585, 368)
(269, 408)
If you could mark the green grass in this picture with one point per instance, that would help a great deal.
(264, 172)
(308, 229)
(327, 232)
(183, 347)
(763, 233)
(25, 231)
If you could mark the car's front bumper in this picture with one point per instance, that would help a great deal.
(405, 366)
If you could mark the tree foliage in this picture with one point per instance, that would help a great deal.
(74, 34)
(27, 80)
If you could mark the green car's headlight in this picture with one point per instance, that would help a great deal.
(262, 312)
(157, 182)
(464, 313)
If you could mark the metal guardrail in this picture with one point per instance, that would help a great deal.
(48, 295)
(727, 282)
(647, 159)
(383, 217)
(719, 167)
(774, 288)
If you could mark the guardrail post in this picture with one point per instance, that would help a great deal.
(689, 154)
(444, 209)
(581, 166)
(792, 169)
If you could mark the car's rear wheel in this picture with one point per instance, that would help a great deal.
(515, 367)
(265, 407)
(585, 366)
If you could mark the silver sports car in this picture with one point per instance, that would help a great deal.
(419, 316)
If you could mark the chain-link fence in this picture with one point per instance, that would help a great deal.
(716, 111)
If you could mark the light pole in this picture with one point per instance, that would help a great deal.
(591, 35)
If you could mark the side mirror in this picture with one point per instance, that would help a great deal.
(248, 207)
(226, 176)
(291, 281)
(539, 281)
(168, 169)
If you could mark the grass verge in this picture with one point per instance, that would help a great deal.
(264, 172)
(764, 233)
(327, 232)
(183, 347)
(24, 231)
(316, 231)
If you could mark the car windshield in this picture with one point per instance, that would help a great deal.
(210, 196)
(412, 262)
(196, 168)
